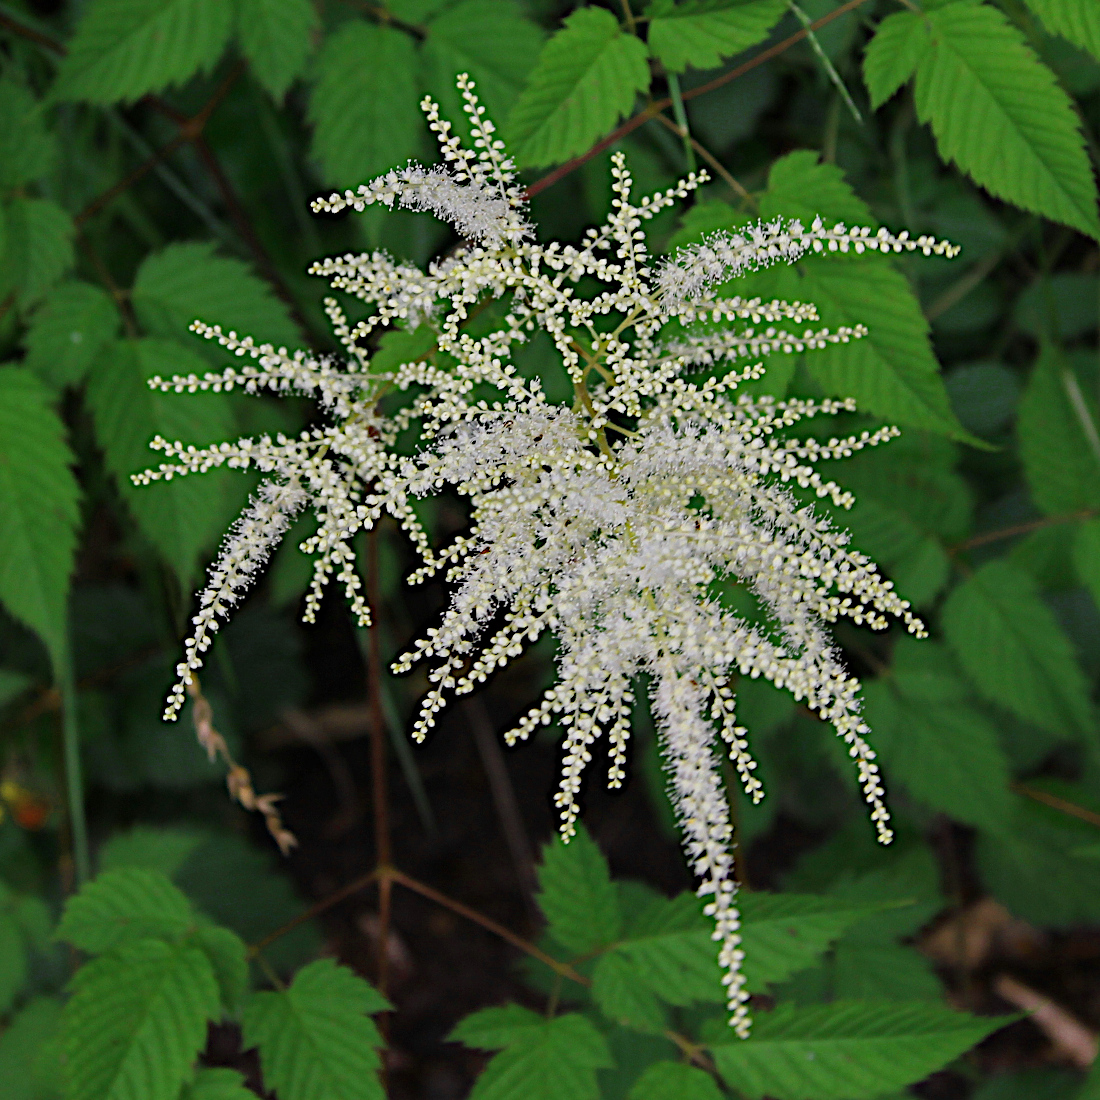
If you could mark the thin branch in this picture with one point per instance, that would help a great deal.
(734, 184)
(32, 35)
(659, 105)
(429, 892)
(127, 181)
(1056, 803)
(1020, 529)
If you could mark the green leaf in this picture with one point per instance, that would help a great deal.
(124, 49)
(316, 1038)
(577, 894)
(496, 1028)
(585, 80)
(217, 1084)
(136, 1021)
(847, 1050)
(27, 149)
(1077, 21)
(623, 995)
(118, 907)
(892, 56)
(13, 958)
(947, 754)
(702, 33)
(1013, 649)
(674, 1081)
(555, 1060)
(1000, 115)
(183, 516)
(38, 510)
(28, 1053)
(364, 103)
(277, 37)
(190, 282)
(228, 957)
(892, 371)
(67, 331)
(492, 42)
(39, 248)
(162, 850)
(1062, 468)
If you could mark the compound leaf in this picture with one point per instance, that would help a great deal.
(555, 1060)
(121, 906)
(674, 1081)
(182, 516)
(700, 33)
(364, 103)
(316, 1038)
(577, 894)
(136, 1021)
(1012, 647)
(1001, 116)
(38, 509)
(1062, 468)
(124, 49)
(190, 282)
(277, 37)
(1077, 21)
(624, 996)
(67, 331)
(893, 54)
(496, 1028)
(228, 957)
(585, 80)
(847, 1050)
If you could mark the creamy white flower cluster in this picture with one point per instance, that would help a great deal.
(619, 521)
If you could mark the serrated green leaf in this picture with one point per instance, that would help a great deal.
(623, 995)
(577, 895)
(183, 516)
(555, 1061)
(1062, 468)
(39, 248)
(496, 1028)
(1013, 649)
(38, 510)
(136, 1021)
(892, 56)
(190, 282)
(801, 186)
(162, 850)
(316, 1038)
(701, 33)
(1086, 557)
(228, 957)
(947, 754)
(364, 103)
(1077, 21)
(124, 49)
(277, 37)
(674, 1081)
(862, 969)
(118, 907)
(1000, 115)
(27, 148)
(217, 1084)
(847, 1050)
(28, 1055)
(585, 80)
(67, 331)
(492, 42)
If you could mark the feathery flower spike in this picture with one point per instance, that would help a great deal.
(613, 520)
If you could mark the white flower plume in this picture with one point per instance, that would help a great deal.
(617, 521)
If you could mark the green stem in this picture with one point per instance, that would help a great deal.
(74, 776)
(681, 118)
(826, 63)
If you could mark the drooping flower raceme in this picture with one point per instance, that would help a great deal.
(616, 520)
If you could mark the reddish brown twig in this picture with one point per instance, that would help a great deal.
(1021, 529)
(1063, 805)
